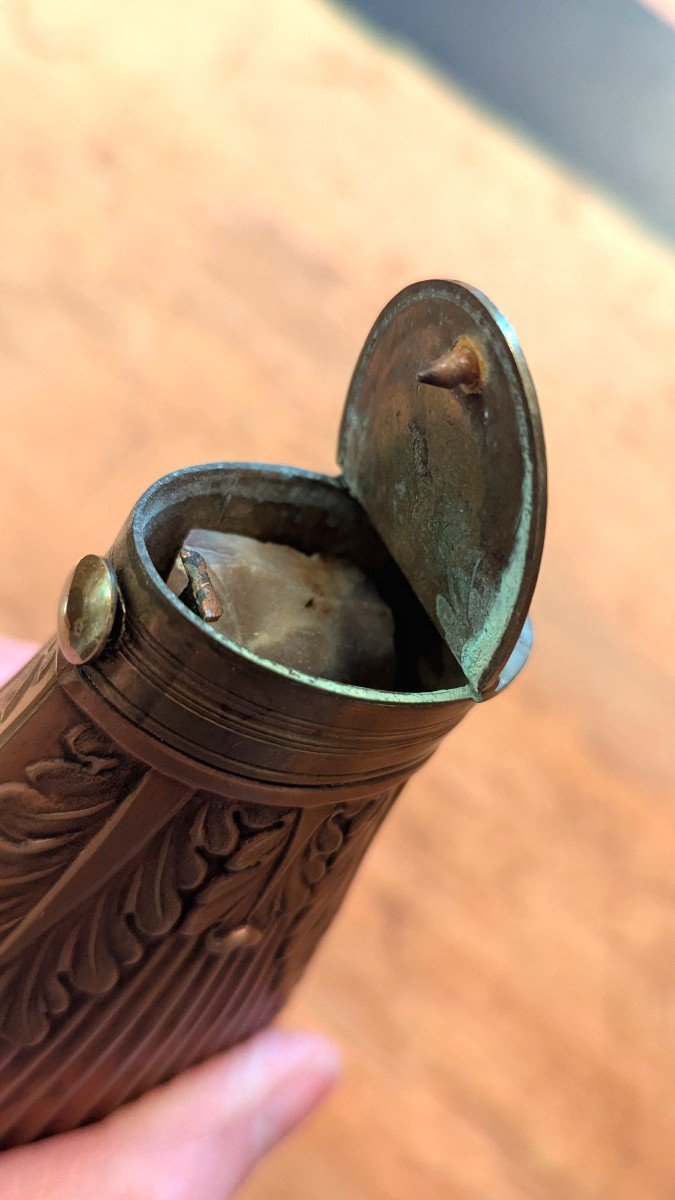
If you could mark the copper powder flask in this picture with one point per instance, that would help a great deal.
(180, 818)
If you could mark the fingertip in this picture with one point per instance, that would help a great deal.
(306, 1069)
(251, 1072)
(284, 1050)
(14, 654)
(209, 1127)
(293, 1100)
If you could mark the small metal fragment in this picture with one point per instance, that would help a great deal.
(202, 592)
(459, 367)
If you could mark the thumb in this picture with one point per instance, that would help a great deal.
(198, 1135)
(14, 654)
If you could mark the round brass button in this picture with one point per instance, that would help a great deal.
(87, 609)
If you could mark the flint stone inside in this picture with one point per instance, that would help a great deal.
(311, 612)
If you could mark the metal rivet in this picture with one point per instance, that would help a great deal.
(226, 941)
(459, 367)
(87, 609)
(242, 936)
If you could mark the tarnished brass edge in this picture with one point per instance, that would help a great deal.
(178, 766)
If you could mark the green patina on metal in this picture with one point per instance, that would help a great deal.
(452, 470)
(475, 653)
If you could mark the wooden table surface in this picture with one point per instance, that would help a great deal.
(202, 209)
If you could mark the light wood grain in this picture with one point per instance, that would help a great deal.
(202, 209)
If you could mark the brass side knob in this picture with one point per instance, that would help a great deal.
(87, 609)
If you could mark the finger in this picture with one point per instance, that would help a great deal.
(14, 654)
(199, 1135)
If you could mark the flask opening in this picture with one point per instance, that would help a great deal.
(315, 516)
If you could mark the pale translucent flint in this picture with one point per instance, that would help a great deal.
(314, 613)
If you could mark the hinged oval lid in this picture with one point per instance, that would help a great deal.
(441, 443)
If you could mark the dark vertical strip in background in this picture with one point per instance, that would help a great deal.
(593, 80)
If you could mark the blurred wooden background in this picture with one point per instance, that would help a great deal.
(202, 209)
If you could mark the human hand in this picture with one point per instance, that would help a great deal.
(195, 1138)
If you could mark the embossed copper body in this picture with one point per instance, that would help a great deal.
(180, 819)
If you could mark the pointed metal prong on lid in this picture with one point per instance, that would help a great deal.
(459, 367)
(202, 592)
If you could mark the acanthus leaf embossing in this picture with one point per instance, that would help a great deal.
(222, 847)
(44, 823)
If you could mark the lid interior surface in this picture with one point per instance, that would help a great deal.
(453, 481)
